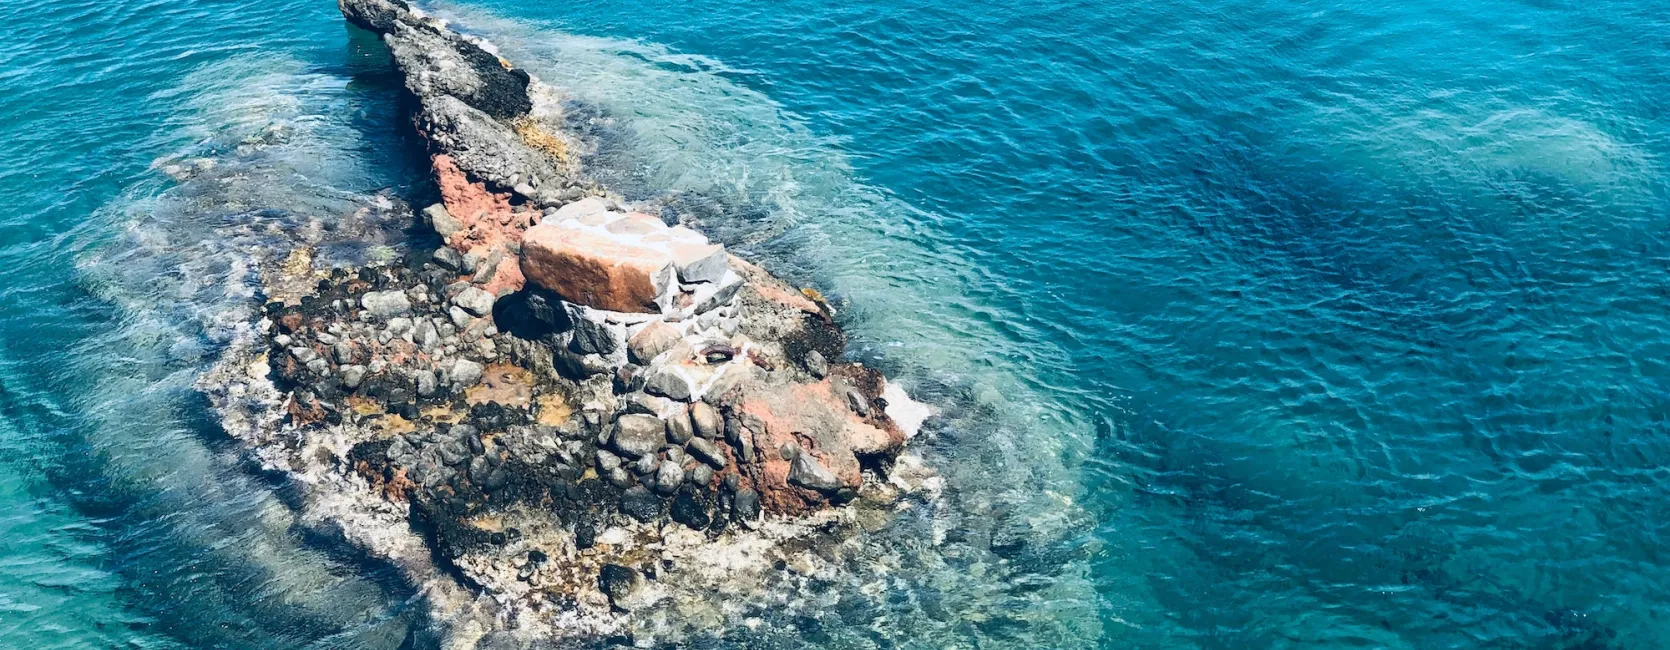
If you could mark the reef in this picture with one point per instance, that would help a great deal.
(574, 420)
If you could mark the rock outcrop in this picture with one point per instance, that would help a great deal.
(569, 398)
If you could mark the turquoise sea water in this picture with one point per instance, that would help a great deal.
(1287, 325)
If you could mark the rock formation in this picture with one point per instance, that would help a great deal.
(572, 420)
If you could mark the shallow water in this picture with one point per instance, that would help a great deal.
(1276, 326)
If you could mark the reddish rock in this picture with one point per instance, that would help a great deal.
(596, 269)
(488, 222)
(813, 419)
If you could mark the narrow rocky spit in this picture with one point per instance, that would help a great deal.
(572, 422)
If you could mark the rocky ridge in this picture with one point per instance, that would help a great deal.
(572, 420)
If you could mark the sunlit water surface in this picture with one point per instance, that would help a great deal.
(1272, 325)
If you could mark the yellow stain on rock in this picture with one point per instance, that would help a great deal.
(553, 410)
(363, 407)
(489, 523)
(299, 263)
(537, 137)
(443, 414)
(393, 424)
(503, 384)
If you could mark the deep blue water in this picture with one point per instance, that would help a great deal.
(1299, 325)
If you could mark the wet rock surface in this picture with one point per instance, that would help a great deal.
(567, 398)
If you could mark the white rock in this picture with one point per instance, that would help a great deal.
(475, 301)
(385, 304)
(460, 318)
(466, 373)
(588, 210)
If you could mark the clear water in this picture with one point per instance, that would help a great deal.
(1286, 325)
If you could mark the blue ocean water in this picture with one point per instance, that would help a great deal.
(1294, 325)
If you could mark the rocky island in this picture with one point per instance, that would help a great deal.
(576, 420)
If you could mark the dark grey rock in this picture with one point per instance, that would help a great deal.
(816, 364)
(592, 337)
(646, 465)
(745, 507)
(679, 430)
(805, 471)
(619, 583)
(496, 479)
(668, 383)
(639, 503)
(857, 402)
(452, 452)
(740, 438)
(446, 257)
(690, 509)
(700, 475)
(399, 450)
(647, 404)
(575, 366)
(668, 477)
(585, 534)
(706, 420)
